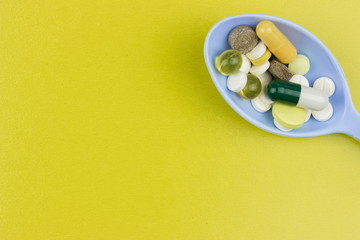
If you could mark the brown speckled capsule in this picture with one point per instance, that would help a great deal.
(243, 38)
(279, 70)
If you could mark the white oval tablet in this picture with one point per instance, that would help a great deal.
(246, 64)
(280, 127)
(258, 70)
(236, 82)
(257, 51)
(325, 84)
(259, 105)
(324, 114)
(299, 79)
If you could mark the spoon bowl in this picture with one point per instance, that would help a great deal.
(345, 119)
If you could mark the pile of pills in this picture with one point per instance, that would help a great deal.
(263, 66)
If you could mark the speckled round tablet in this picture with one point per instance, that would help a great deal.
(279, 70)
(243, 38)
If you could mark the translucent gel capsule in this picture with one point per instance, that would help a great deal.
(276, 41)
(229, 62)
(252, 88)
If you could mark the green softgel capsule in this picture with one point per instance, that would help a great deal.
(228, 62)
(252, 88)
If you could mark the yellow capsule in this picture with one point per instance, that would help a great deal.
(276, 41)
(261, 60)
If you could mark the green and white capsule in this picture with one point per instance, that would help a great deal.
(295, 94)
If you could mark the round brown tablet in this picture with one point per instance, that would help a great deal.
(243, 38)
(279, 70)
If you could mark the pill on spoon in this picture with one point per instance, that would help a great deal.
(265, 78)
(252, 88)
(295, 94)
(300, 65)
(325, 114)
(280, 127)
(258, 51)
(279, 70)
(243, 38)
(259, 105)
(325, 84)
(246, 64)
(299, 79)
(236, 82)
(228, 62)
(261, 60)
(276, 41)
(258, 70)
(288, 116)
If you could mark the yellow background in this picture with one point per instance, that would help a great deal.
(111, 128)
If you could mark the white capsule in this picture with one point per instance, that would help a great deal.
(258, 70)
(312, 98)
(325, 84)
(236, 82)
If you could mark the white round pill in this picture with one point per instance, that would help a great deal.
(259, 105)
(258, 70)
(299, 79)
(325, 84)
(246, 64)
(324, 114)
(280, 127)
(236, 82)
(257, 51)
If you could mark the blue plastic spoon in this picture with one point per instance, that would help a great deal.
(345, 119)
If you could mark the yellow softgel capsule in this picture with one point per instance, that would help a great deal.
(300, 65)
(276, 41)
(252, 88)
(261, 60)
(288, 116)
(229, 62)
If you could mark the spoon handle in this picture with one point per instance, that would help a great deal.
(352, 123)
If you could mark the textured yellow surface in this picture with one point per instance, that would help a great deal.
(111, 128)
